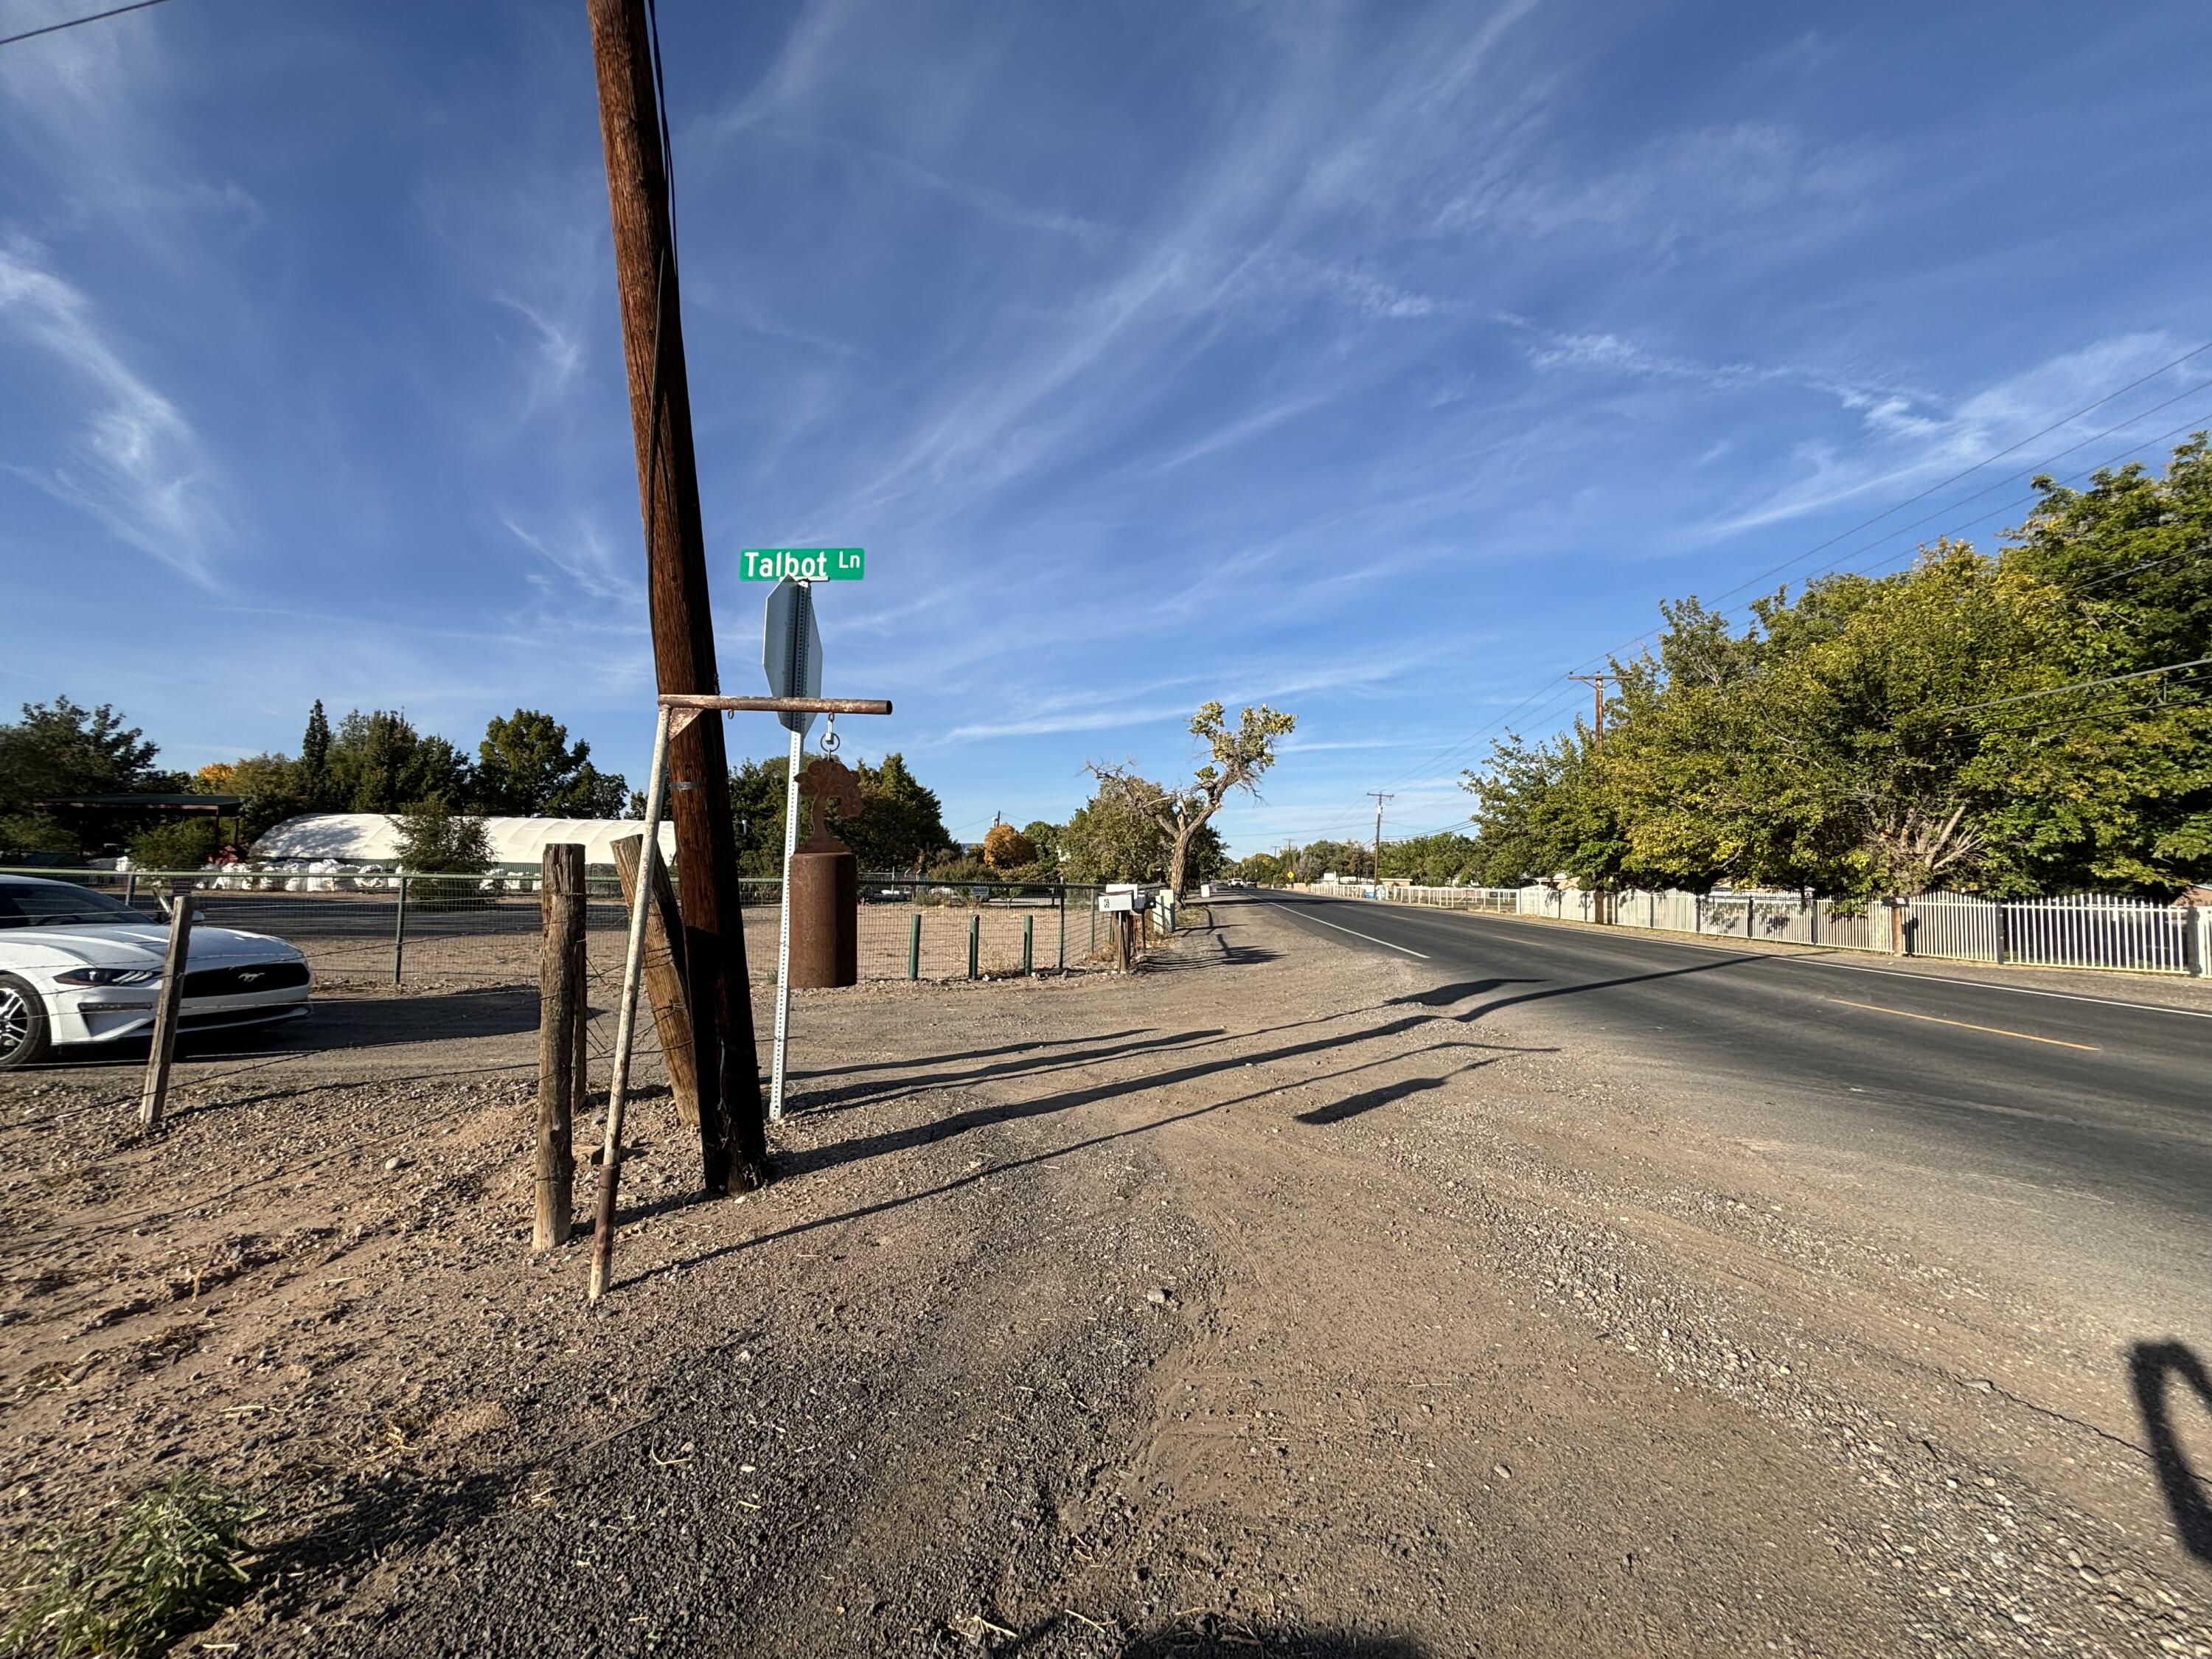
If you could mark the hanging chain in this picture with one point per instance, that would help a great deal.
(829, 738)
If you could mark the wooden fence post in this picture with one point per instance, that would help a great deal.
(155, 1095)
(664, 977)
(560, 993)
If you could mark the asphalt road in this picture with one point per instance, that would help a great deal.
(2081, 1091)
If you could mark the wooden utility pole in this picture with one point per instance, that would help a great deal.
(664, 975)
(154, 1098)
(1379, 799)
(1597, 683)
(733, 1115)
(560, 1016)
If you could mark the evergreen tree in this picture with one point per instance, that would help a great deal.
(313, 779)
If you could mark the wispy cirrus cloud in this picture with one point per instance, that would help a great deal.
(1683, 187)
(585, 557)
(134, 462)
(1909, 440)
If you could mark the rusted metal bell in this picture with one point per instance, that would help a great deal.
(825, 918)
(825, 886)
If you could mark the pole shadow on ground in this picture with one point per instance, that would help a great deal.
(2160, 1372)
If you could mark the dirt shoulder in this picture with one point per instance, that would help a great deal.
(1260, 1301)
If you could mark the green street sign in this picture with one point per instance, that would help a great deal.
(804, 564)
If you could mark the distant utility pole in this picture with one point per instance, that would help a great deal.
(1379, 799)
(733, 1114)
(1597, 683)
(1602, 908)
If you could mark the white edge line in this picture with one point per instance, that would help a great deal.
(1369, 938)
(2015, 990)
(1657, 936)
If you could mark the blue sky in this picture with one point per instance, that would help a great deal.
(1382, 361)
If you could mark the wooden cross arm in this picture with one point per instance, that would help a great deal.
(703, 701)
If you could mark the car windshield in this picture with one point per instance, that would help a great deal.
(59, 904)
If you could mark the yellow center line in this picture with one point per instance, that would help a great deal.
(1965, 1025)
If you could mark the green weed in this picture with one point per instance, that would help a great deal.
(170, 1565)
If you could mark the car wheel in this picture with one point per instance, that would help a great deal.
(22, 1024)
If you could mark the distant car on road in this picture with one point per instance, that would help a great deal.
(80, 967)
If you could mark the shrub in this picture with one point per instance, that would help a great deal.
(24, 833)
(959, 867)
(175, 844)
(170, 1566)
(434, 840)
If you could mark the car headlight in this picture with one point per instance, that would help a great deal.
(108, 976)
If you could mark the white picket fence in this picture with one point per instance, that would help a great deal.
(2088, 931)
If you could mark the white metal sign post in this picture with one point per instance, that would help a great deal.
(791, 653)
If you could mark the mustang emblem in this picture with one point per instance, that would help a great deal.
(247, 976)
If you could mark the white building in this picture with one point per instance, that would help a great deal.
(517, 844)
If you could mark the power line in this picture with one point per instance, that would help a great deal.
(2194, 423)
(2159, 705)
(75, 22)
(2078, 685)
(1968, 473)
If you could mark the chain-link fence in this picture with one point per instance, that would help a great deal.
(387, 929)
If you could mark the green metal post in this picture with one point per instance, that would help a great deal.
(1029, 925)
(399, 932)
(974, 942)
(913, 948)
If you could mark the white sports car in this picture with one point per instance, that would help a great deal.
(80, 967)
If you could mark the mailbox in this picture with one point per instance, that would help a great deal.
(1125, 897)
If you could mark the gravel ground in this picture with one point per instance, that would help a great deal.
(1264, 1301)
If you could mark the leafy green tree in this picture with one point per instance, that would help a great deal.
(1118, 835)
(2111, 785)
(268, 785)
(1543, 812)
(1829, 760)
(757, 802)
(1964, 722)
(34, 834)
(1435, 860)
(1317, 858)
(434, 840)
(60, 748)
(901, 825)
(1262, 869)
(378, 763)
(1045, 837)
(526, 766)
